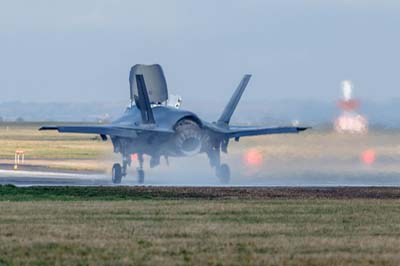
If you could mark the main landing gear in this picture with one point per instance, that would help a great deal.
(116, 173)
(119, 171)
(140, 171)
(222, 171)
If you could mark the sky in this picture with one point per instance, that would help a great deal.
(81, 51)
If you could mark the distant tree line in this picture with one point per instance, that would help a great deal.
(17, 120)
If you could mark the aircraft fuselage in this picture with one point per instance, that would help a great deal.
(154, 143)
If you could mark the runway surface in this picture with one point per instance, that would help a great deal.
(301, 179)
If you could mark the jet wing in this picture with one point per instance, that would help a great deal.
(244, 131)
(111, 130)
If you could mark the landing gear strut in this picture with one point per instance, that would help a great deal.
(140, 172)
(222, 171)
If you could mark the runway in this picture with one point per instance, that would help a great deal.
(43, 178)
(301, 179)
(319, 158)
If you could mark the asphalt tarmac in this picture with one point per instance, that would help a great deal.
(289, 179)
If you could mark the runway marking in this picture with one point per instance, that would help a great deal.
(49, 174)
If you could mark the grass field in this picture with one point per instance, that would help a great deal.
(52, 149)
(49, 144)
(173, 226)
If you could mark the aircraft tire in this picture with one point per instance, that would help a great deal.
(116, 173)
(140, 175)
(223, 173)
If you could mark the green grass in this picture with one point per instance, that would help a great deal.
(61, 193)
(138, 226)
(101, 193)
(196, 232)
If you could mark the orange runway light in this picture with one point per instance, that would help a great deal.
(253, 157)
(368, 156)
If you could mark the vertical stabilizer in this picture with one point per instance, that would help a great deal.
(233, 102)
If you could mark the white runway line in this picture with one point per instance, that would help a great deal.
(13, 173)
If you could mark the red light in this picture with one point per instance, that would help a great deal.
(253, 157)
(368, 157)
(348, 105)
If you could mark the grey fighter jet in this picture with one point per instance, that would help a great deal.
(157, 128)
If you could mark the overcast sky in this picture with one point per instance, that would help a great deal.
(82, 50)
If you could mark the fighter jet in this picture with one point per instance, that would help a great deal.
(154, 126)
